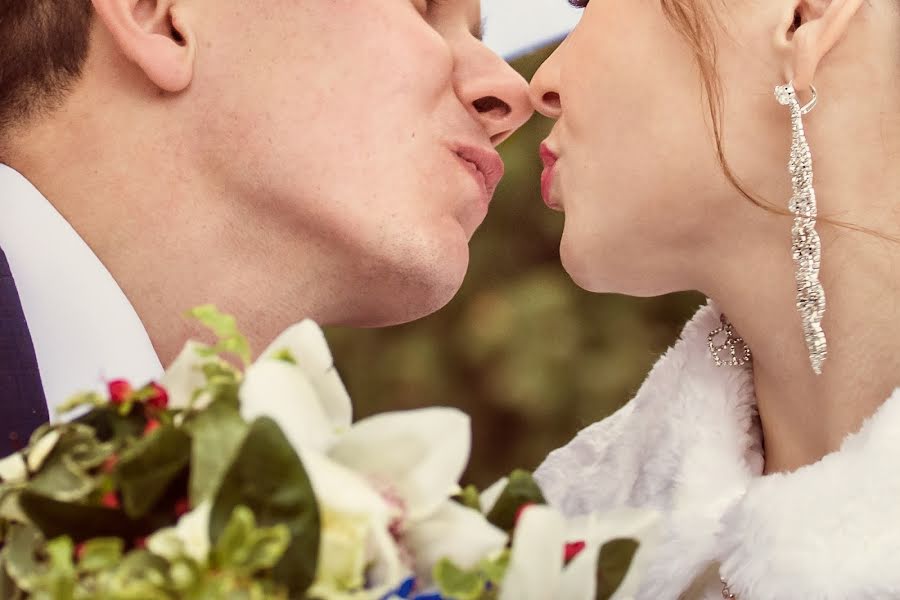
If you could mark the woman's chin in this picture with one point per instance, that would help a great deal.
(581, 265)
(604, 270)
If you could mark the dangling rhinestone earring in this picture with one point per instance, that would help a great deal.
(806, 245)
(736, 351)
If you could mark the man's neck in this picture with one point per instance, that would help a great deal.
(148, 218)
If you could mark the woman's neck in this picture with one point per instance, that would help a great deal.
(749, 271)
(805, 416)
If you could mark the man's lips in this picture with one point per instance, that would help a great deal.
(549, 158)
(486, 165)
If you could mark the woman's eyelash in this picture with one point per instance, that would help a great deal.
(579, 3)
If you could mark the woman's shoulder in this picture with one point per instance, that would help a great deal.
(593, 470)
(635, 456)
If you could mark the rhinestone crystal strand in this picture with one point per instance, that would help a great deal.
(726, 593)
(733, 351)
(806, 245)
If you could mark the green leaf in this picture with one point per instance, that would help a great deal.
(64, 474)
(245, 548)
(284, 355)
(266, 548)
(225, 328)
(109, 425)
(495, 568)
(218, 432)
(10, 510)
(234, 537)
(457, 583)
(63, 480)
(141, 576)
(82, 446)
(470, 497)
(101, 553)
(82, 522)
(147, 469)
(58, 581)
(223, 382)
(521, 490)
(268, 477)
(91, 399)
(20, 556)
(60, 552)
(8, 589)
(613, 564)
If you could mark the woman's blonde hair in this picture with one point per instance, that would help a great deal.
(696, 25)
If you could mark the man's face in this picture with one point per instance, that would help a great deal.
(362, 127)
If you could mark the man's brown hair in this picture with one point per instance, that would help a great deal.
(43, 47)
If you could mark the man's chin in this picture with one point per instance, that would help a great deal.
(411, 294)
(411, 304)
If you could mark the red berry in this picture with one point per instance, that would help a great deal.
(522, 510)
(119, 391)
(110, 463)
(79, 550)
(110, 500)
(152, 425)
(572, 550)
(160, 398)
(182, 507)
(140, 542)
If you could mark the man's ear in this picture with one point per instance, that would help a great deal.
(151, 35)
(808, 31)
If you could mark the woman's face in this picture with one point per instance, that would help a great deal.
(364, 127)
(637, 174)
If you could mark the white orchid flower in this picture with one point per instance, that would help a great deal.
(305, 397)
(341, 569)
(416, 458)
(455, 532)
(185, 376)
(307, 346)
(489, 497)
(189, 538)
(537, 568)
(413, 459)
(351, 506)
(294, 382)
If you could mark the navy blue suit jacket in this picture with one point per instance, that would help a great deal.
(23, 407)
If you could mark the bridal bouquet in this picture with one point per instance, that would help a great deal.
(253, 482)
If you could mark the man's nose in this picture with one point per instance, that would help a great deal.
(495, 94)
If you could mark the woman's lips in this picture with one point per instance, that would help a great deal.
(549, 158)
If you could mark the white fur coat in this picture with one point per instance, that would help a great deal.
(689, 445)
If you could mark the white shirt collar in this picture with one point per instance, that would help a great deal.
(84, 330)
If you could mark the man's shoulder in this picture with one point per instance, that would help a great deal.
(23, 406)
(82, 325)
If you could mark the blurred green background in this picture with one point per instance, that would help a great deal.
(530, 356)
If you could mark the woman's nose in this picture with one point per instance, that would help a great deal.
(544, 89)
